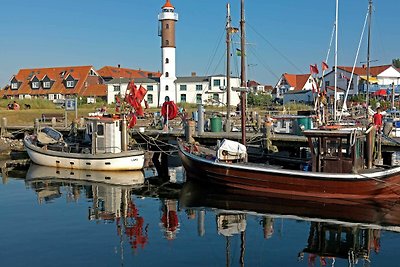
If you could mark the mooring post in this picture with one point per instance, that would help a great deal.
(53, 122)
(189, 131)
(3, 126)
(36, 126)
(200, 120)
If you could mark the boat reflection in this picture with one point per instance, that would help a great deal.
(109, 193)
(338, 229)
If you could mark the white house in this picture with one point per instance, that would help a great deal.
(298, 96)
(193, 89)
(289, 82)
(381, 77)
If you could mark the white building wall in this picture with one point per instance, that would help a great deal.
(342, 81)
(389, 76)
(168, 70)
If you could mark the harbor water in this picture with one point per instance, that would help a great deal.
(48, 219)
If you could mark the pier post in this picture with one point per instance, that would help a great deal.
(36, 126)
(200, 120)
(190, 128)
(124, 134)
(53, 122)
(3, 126)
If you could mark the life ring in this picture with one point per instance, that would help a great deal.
(172, 110)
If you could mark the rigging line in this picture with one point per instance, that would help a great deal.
(276, 50)
(215, 52)
(219, 62)
(330, 43)
(263, 64)
(354, 66)
(235, 58)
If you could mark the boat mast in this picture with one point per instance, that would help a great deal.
(243, 72)
(228, 68)
(336, 58)
(368, 54)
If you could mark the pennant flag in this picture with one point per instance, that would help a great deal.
(238, 52)
(140, 93)
(324, 66)
(314, 69)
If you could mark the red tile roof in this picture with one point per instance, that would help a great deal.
(297, 81)
(115, 72)
(95, 90)
(362, 71)
(81, 74)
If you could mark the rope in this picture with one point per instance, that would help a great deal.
(153, 141)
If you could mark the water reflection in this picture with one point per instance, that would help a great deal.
(135, 209)
(338, 229)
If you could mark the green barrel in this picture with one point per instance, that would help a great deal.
(216, 124)
(305, 123)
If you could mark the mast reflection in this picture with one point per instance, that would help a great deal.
(345, 230)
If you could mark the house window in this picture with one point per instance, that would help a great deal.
(167, 26)
(35, 85)
(117, 88)
(198, 99)
(46, 85)
(183, 98)
(166, 60)
(167, 74)
(217, 82)
(150, 98)
(150, 88)
(216, 97)
(14, 86)
(70, 84)
(166, 88)
(199, 87)
(183, 87)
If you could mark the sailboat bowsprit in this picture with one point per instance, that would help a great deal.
(338, 169)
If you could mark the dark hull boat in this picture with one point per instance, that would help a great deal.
(338, 170)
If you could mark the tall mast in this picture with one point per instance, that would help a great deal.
(228, 68)
(368, 54)
(243, 71)
(336, 58)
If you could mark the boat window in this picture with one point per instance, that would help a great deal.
(100, 129)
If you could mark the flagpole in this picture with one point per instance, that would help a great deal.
(243, 72)
(368, 55)
(336, 58)
(228, 69)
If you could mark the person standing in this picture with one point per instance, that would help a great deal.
(378, 120)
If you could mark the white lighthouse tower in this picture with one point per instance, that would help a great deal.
(167, 19)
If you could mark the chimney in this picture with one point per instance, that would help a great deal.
(193, 74)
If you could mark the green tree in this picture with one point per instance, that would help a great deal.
(396, 62)
(259, 99)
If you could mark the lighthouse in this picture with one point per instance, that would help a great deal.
(167, 19)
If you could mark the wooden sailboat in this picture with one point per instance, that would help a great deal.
(341, 165)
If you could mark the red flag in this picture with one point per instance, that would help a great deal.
(140, 93)
(133, 121)
(139, 110)
(314, 69)
(324, 66)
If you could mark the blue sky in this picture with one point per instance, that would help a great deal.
(283, 36)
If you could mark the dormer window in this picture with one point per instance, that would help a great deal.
(46, 85)
(70, 84)
(35, 85)
(14, 86)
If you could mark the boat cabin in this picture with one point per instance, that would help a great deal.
(104, 134)
(336, 151)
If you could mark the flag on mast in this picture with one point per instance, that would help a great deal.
(324, 66)
(314, 69)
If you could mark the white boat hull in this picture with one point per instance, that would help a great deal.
(123, 161)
